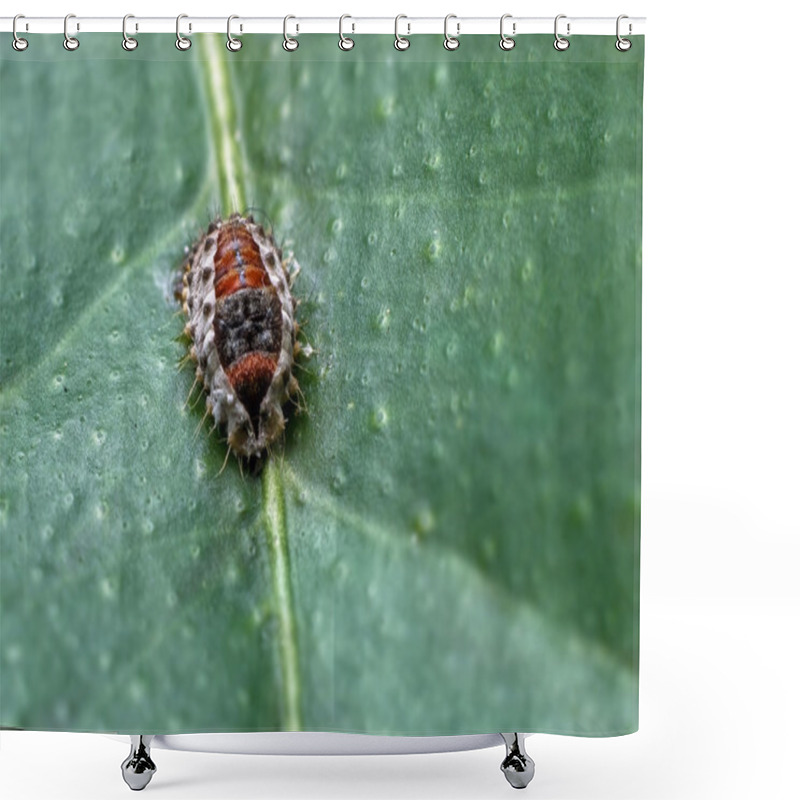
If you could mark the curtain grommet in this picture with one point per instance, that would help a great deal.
(401, 43)
(70, 42)
(129, 43)
(622, 44)
(290, 44)
(560, 42)
(18, 43)
(233, 44)
(451, 42)
(182, 42)
(345, 42)
(507, 42)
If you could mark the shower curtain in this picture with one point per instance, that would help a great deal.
(415, 509)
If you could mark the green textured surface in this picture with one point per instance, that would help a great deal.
(461, 499)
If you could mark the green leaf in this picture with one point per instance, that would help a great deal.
(448, 540)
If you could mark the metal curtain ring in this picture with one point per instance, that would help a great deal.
(181, 42)
(290, 44)
(560, 43)
(451, 42)
(345, 43)
(400, 42)
(506, 42)
(233, 44)
(70, 42)
(128, 42)
(18, 43)
(623, 44)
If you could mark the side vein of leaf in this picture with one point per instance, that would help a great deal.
(16, 386)
(380, 534)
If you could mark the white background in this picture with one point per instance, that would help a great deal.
(721, 442)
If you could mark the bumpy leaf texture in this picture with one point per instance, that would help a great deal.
(447, 542)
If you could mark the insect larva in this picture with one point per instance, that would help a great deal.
(237, 296)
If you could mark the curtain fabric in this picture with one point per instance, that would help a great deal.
(445, 537)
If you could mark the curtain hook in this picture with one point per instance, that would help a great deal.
(451, 42)
(18, 43)
(290, 44)
(400, 42)
(70, 42)
(560, 43)
(506, 42)
(345, 43)
(233, 44)
(128, 42)
(181, 42)
(623, 44)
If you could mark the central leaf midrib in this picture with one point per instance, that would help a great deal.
(274, 521)
(230, 160)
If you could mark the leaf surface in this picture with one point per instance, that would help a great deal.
(448, 540)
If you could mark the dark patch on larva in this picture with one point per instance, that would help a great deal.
(247, 321)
